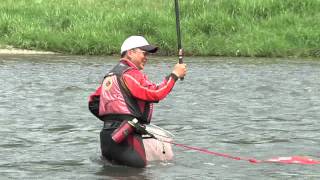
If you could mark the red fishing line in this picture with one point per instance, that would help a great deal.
(283, 160)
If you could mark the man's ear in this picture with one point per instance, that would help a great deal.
(130, 54)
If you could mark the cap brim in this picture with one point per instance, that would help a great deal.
(149, 48)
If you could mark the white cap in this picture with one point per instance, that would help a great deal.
(138, 42)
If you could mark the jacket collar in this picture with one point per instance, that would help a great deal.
(128, 62)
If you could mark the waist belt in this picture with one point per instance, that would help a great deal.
(116, 117)
(111, 124)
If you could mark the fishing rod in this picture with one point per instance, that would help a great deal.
(180, 49)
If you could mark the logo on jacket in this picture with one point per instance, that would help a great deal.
(108, 83)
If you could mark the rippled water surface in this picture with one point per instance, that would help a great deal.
(257, 108)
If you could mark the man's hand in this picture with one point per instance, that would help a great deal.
(180, 70)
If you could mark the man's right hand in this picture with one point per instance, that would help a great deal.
(180, 70)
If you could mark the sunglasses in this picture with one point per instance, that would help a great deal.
(145, 53)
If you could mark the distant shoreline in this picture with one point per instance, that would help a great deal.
(11, 50)
(242, 28)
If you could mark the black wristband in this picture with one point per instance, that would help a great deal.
(174, 76)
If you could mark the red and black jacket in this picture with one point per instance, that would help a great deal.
(138, 92)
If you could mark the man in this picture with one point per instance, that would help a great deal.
(125, 94)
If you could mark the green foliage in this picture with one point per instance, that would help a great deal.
(209, 27)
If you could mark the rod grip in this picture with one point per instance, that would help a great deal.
(180, 55)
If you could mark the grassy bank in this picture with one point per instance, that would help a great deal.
(209, 27)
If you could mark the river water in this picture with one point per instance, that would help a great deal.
(255, 108)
